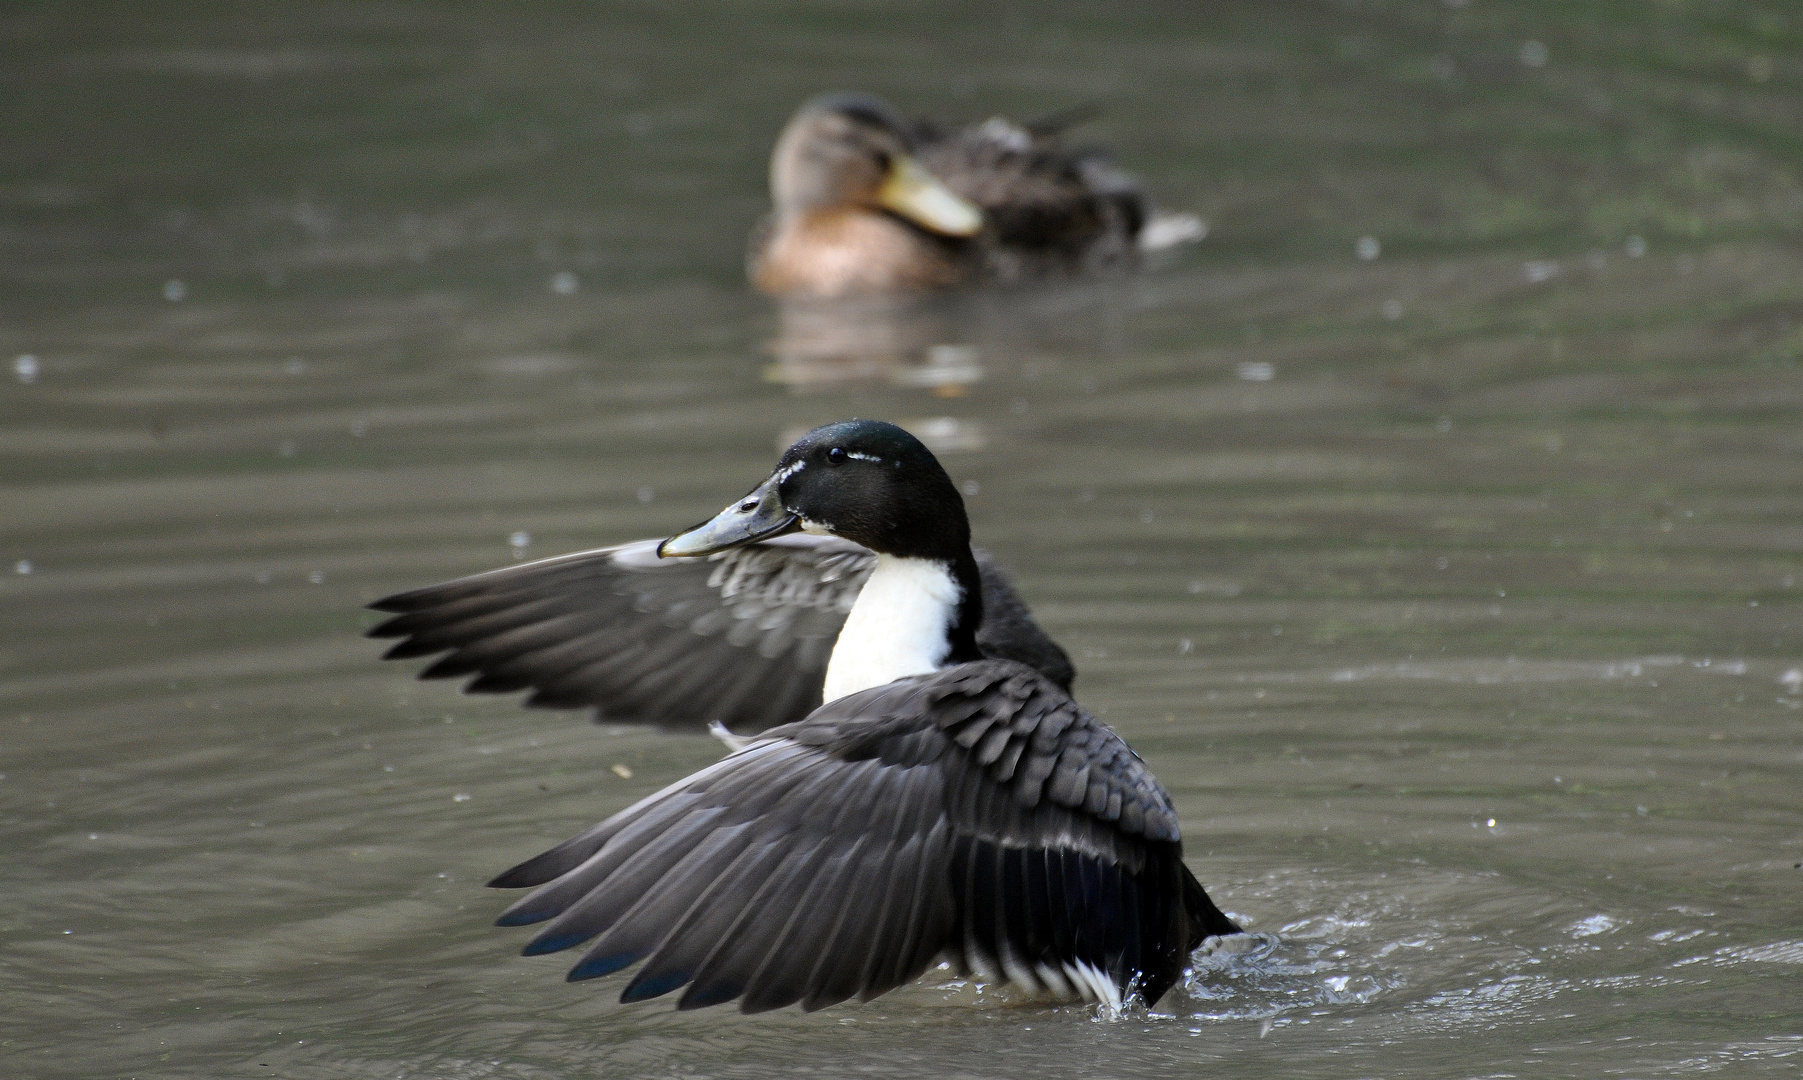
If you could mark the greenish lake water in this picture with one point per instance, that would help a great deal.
(1433, 527)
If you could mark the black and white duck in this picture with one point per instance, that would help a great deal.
(948, 801)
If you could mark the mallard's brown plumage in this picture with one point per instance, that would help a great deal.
(867, 203)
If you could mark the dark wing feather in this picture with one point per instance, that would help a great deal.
(838, 856)
(1047, 210)
(743, 637)
(1008, 631)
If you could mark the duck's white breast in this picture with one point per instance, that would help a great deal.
(897, 626)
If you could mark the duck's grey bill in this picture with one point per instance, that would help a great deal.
(758, 516)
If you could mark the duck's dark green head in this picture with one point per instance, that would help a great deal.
(864, 480)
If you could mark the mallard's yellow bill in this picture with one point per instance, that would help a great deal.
(918, 195)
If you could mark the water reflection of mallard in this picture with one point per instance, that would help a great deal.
(867, 203)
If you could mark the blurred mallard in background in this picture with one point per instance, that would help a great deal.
(868, 203)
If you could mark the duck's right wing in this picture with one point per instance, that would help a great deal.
(742, 637)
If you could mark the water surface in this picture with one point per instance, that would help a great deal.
(1452, 591)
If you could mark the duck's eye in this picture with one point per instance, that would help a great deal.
(837, 456)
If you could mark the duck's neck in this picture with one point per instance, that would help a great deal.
(912, 616)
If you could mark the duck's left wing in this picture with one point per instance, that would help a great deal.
(975, 813)
(742, 637)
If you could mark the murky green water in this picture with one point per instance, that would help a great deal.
(1452, 592)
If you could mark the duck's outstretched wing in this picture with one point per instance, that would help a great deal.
(975, 813)
(742, 637)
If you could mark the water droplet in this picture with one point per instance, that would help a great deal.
(461, 796)
(1539, 270)
(1257, 371)
(317, 577)
(22, 567)
(646, 494)
(520, 539)
(295, 366)
(1534, 54)
(1392, 310)
(564, 283)
(620, 770)
(175, 290)
(26, 368)
(1367, 248)
(1635, 247)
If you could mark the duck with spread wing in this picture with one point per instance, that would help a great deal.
(923, 786)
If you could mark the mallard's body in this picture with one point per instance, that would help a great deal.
(866, 203)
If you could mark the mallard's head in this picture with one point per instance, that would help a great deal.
(852, 150)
